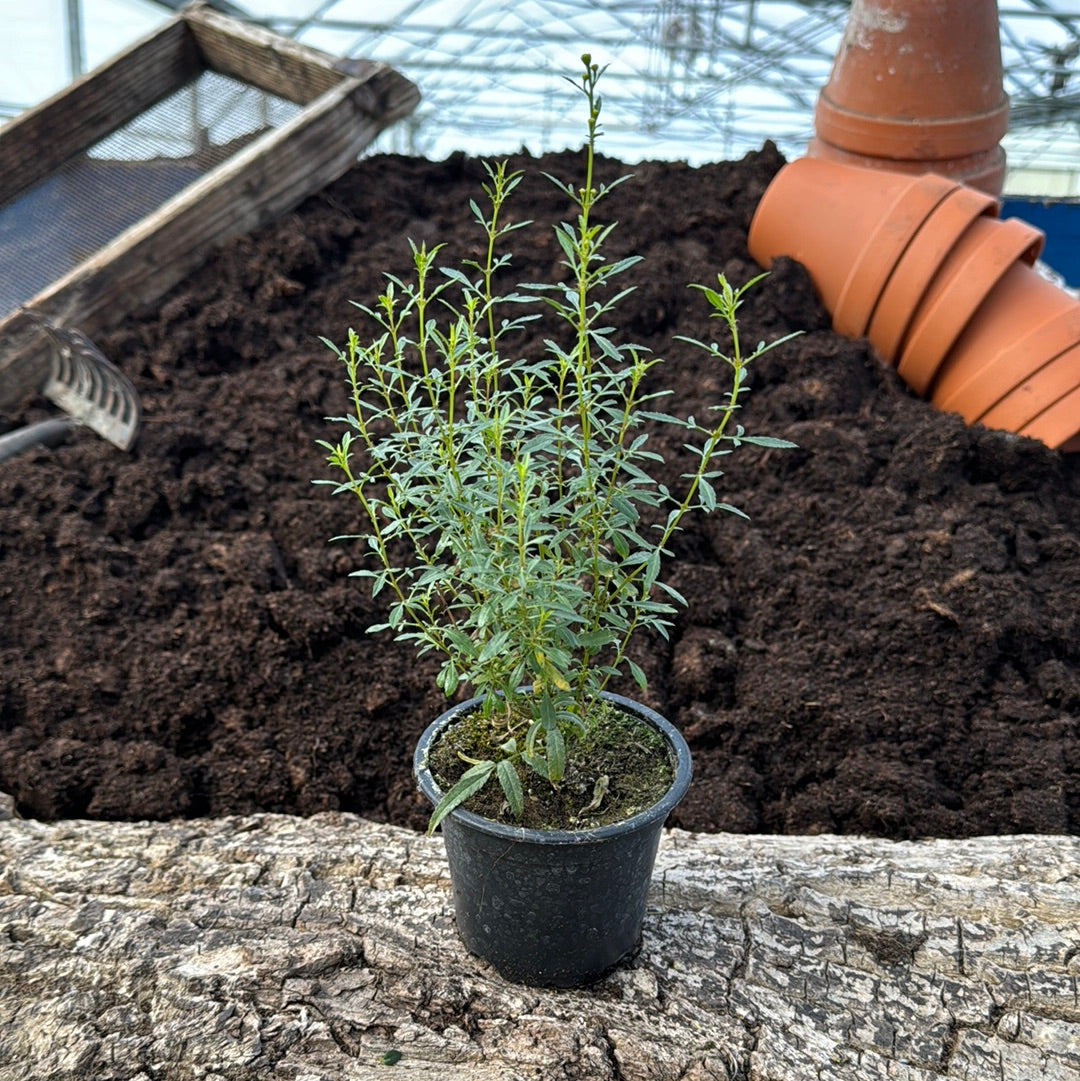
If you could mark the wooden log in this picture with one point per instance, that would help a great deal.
(277, 947)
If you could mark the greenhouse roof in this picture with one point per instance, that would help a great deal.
(693, 79)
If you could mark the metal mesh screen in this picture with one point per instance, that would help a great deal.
(53, 226)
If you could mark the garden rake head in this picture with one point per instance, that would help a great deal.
(92, 392)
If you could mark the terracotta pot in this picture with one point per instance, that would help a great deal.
(1037, 393)
(846, 225)
(1024, 321)
(925, 268)
(911, 212)
(974, 266)
(985, 171)
(916, 267)
(1059, 426)
(918, 82)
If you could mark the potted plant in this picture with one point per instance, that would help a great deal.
(515, 519)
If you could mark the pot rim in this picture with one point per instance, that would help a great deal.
(977, 263)
(1053, 424)
(898, 300)
(655, 814)
(1036, 392)
(885, 247)
(918, 138)
(1049, 338)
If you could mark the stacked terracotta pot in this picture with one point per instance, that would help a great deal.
(944, 289)
(916, 86)
(894, 214)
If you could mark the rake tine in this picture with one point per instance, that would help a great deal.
(89, 387)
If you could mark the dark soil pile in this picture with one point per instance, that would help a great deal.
(890, 646)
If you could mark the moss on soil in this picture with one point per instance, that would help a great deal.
(617, 768)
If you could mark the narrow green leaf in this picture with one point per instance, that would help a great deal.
(607, 348)
(652, 569)
(639, 676)
(768, 441)
(732, 510)
(625, 508)
(562, 185)
(624, 264)
(672, 592)
(458, 276)
(556, 755)
(511, 786)
(547, 712)
(566, 242)
(713, 297)
(663, 418)
(530, 742)
(538, 764)
(447, 679)
(470, 782)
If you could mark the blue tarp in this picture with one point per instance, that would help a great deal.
(1060, 221)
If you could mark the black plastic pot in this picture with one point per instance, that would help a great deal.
(549, 907)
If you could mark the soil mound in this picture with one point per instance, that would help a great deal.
(891, 644)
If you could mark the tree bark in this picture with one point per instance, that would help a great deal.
(308, 949)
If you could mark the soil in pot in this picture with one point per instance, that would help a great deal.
(615, 769)
(890, 645)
